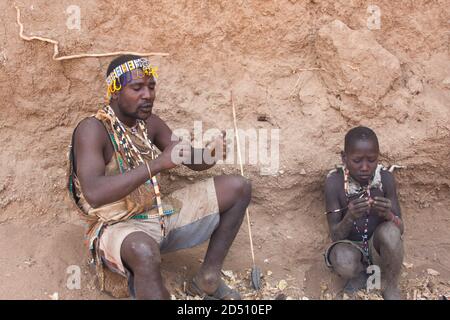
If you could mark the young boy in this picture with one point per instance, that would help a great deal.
(364, 216)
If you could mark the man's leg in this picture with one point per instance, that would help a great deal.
(233, 195)
(140, 254)
(389, 245)
(346, 262)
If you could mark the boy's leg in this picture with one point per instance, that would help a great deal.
(346, 261)
(389, 246)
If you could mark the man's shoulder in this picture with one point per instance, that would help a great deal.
(154, 120)
(155, 125)
(90, 128)
(88, 121)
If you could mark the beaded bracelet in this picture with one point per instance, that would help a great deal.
(396, 220)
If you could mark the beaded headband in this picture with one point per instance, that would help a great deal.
(113, 79)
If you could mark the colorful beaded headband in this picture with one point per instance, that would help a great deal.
(113, 79)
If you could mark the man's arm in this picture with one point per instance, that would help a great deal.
(98, 189)
(163, 138)
(340, 227)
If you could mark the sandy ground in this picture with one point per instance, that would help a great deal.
(35, 261)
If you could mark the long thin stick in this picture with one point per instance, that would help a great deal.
(242, 174)
(77, 56)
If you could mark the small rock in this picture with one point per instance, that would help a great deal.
(305, 298)
(328, 296)
(229, 274)
(446, 82)
(433, 272)
(408, 265)
(54, 296)
(266, 260)
(282, 285)
(415, 85)
(269, 273)
(303, 172)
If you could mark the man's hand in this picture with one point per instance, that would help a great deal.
(358, 207)
(175, 154)
(218, 145)
(382, 207)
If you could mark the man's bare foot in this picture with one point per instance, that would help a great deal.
(211, 286)
(392, 293)
(207, 281)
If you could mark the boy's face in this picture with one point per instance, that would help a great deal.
(361, 160)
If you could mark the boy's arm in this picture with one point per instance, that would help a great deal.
(339, 228)
(392, 212)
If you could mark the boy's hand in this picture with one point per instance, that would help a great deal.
(358, 207)
(382, 206)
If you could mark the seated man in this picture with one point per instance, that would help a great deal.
(113, 180)
(363, 215)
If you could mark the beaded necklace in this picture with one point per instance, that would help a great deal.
(364, 191)
(133, 156)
